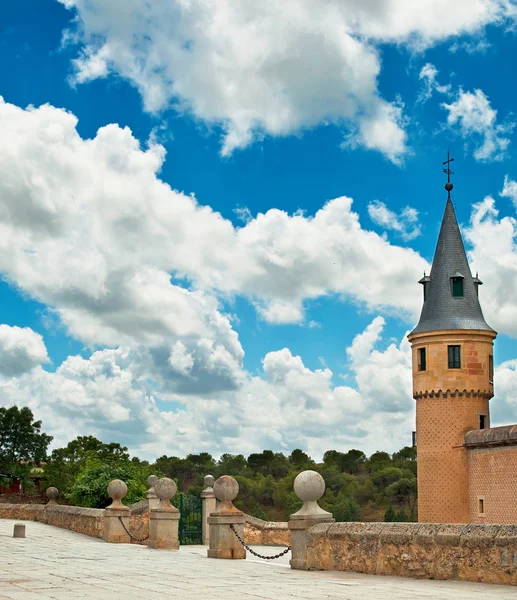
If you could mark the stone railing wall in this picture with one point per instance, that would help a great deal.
(89, 521)
(265, 533)
(481, 553)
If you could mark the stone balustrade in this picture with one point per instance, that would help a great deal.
(89, 521)
(481, 553)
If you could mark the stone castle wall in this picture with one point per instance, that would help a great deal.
(480, 553)
(265, 533)
(493, 478)
(89, 521)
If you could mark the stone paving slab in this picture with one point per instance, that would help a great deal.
(60, 564)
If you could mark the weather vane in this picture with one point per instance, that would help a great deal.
(448, 185)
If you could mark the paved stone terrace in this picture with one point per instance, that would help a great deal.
(56, 563)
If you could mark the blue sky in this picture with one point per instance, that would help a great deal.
(381, 143)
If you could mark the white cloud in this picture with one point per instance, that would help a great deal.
(21, 349)
(405, 223)
(503, 408)
(473, 117)
(471, 47)
(494, 254)
(269, 67)
(428, 75)
(181, 360)
(89, 229)
(289, 405)
(510, 190)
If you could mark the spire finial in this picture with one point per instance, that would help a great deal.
(448, 185)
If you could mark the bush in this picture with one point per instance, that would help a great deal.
(90, 487)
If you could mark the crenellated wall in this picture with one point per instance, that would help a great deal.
(481, 553)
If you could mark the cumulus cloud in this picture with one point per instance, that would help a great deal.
(503, 408)
(494, 254)
(405, 223)
(473, 118)
(21, 350)
(88, 228)
(113, 395)
(267, 68)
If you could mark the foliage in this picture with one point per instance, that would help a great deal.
(66, 464)
(90, 486)
(378, 487)
(21, 439)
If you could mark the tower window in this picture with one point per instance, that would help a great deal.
(482, 421)
(481, 506)
(457, 287)
(454, 357)
(425, 292)
(491, 369)
(422, 360)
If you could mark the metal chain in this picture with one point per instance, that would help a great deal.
(253, 551)
(130, 534)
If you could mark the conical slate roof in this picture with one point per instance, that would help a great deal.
(441, 310)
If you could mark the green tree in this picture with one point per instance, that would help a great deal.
(21, 439)
(90, 487)
(346, 509)
(385, 477)
(299, 459)
(232, 464)
(389, 515)
(377, 461)
(352, 461)
(404, 491)
(66, 463)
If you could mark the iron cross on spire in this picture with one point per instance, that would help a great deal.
(448, 185)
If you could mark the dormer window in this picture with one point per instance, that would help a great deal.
(477, 283)
(457, 285)
(424, 282)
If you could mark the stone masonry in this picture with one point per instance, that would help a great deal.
(483, 553)
(449, 402)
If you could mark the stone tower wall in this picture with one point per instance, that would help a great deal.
(449, 402)
(493, 477)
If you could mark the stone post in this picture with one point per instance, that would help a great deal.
(113, 530)
(164, 520)
(19, 530)
(309, 486)
(51, 493)
(222, 540)
(152, 499)
(209, 506)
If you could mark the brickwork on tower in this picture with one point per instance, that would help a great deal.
(493, 479)
(449, 403)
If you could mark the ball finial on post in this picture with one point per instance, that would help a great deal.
(52, 493)
(209, 481)
(152, 498)
(165, 490)
(226, 522)
(117, 490)
(226, 489)
(309, 486)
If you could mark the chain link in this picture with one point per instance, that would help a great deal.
(253, 551)
(131, 535)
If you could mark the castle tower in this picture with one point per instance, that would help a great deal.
(452, 351)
